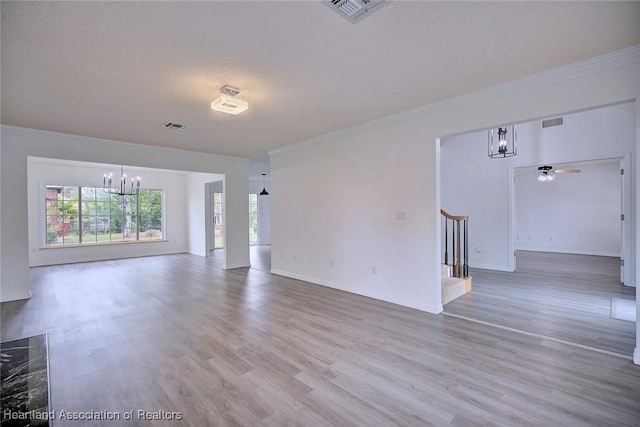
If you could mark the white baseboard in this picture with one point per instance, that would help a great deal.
(16, 297)
(575, 252)
(231, 266)
(100, 256)
(429, 308)
(490, 267)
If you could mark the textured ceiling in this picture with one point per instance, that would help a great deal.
(119, 70)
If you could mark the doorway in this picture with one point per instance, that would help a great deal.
(536, 294)
(215, 218)
(579, 209)
(260, 231)
(218, 220)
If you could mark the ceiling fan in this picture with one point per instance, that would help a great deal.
(547, 173)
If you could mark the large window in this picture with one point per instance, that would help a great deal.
(89, 215)
(253, 219)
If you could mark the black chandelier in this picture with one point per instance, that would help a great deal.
(121, 189)
(502, 142)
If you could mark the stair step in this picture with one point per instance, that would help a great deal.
(445, 270)
(453, 288)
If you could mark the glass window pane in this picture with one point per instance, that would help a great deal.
(70, 235)
(116, 234)
(88, 208)
(103, 209)
(52, 231)
(253, 219)
(88, 193)
(89, 237)
(102, 196)
(70, 193)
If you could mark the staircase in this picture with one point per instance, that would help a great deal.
(455, 270)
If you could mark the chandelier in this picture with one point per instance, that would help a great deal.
(502, 142)
(122, 189)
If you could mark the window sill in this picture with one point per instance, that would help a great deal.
(91, 245)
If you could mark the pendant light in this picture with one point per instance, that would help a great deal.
(264, 191)
(506, 143)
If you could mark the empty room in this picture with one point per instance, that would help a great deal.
(562, 268)
(233, 213)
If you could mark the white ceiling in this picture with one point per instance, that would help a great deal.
(119, 70)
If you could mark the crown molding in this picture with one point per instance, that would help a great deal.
(87, 141)
(612, 60)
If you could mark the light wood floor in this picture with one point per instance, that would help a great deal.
(563, 296)
(259, 256)
(243, 347)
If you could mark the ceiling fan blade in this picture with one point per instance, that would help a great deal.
(567, 171)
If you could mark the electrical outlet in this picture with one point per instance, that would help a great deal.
(374, 270)
(330, 263)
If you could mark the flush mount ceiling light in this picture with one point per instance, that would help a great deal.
(354, 10)
(502, 142)
(227, 103)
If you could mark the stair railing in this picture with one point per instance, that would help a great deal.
(459, 243)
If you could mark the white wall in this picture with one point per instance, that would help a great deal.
(264, 220)
(17, 144)
(475, 185)
(41, 173)
(199, 228)
(337, 198)
(575, 213)
(335, 215)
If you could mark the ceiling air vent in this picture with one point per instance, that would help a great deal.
(178, 126)
(552, 122)
(354, 10)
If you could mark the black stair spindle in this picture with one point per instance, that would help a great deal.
(446, 241)
(465, 266)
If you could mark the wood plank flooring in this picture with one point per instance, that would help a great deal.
(563, 296)
(244, 347)
(261, 257)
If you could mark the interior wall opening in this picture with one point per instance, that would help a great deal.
(547, 294)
